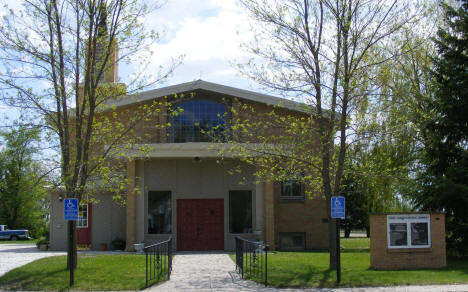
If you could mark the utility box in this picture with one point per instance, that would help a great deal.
(407, 240)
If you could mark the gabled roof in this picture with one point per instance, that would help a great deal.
(213, 87)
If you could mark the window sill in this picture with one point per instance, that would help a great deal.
(291, 199)
(409, 250)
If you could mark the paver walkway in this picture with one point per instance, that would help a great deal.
(216, 272)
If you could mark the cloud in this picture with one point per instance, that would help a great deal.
(208, 33)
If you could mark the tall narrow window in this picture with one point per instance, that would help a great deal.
(159, 212)
(82, 216)
(240, 212)
(199, 121)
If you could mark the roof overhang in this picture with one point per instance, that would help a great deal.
(213, 87)
(190, 150)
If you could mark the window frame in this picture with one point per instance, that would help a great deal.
(172, 129)
(148, 209)
(303, 236)
(409, 219)
(290, 197)
(80, 219)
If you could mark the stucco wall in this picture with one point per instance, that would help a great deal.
(191, 180)
(108, 223)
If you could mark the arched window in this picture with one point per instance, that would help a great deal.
(197, 116)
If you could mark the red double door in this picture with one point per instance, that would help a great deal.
(200, 224)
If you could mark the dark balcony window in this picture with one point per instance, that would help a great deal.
(159, 212)
(199, 121)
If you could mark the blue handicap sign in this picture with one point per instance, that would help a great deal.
(338, 207)
(70, 209)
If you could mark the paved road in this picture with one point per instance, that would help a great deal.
(215, 272)
(16, 255)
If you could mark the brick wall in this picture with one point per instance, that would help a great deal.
(384, 258)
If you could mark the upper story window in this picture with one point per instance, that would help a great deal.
(292, 189)
(198, 116)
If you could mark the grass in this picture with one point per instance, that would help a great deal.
(95, 272)
(31, 241)
(310, 269)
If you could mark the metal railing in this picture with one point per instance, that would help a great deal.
(158, 260)
(252, 259)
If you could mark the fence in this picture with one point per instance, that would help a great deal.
(158, 260)
(252, 259)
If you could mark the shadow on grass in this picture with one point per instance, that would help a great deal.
(24, 280)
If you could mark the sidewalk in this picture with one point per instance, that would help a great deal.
(216, 272)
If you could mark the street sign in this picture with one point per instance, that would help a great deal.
(338, 207)
(70, 209)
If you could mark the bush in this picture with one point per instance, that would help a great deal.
(42, 240)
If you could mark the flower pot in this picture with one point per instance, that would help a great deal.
(138, 247)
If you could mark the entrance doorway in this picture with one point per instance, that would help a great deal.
(200, 224)
(83, 225)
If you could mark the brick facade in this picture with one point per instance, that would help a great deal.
(384, 258)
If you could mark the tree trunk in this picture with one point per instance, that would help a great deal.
(347, 232)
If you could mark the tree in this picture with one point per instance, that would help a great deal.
(59, 63)
(23, 202)
(444, 180)
(322, 50)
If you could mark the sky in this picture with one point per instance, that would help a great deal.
(209, 34)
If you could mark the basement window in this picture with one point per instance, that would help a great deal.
(292, 240)
(409, 231)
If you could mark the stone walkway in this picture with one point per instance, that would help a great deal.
(216, 272)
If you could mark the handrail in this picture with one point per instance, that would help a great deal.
(158, 260)
(252, 259)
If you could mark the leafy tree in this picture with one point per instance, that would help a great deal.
(320, 51)
(59, 64)
(23, 201)
(444, 180)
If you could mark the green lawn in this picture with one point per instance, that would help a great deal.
(95, 272)
(310, 269)
(31, 241)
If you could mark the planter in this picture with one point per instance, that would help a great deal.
(43, 246)
(138, 247)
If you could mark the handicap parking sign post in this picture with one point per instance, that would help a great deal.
(338, 207)
(338, 212)
(70, 209)
(70, 214)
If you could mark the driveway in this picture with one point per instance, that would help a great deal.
(16, 255)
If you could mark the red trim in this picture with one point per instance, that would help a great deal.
(84, 233)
